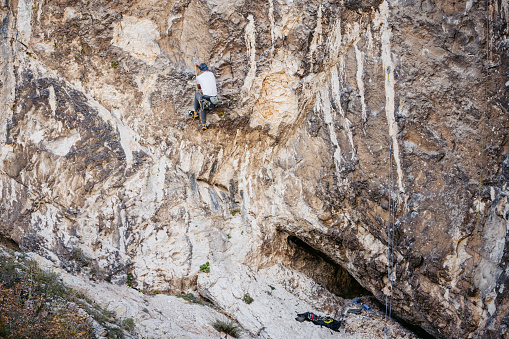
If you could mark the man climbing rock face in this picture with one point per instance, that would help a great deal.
(206, 81)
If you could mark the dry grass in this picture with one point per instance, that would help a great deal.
(33, 304)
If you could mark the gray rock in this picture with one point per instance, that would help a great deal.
(323, 102)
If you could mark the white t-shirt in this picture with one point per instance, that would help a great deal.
(207, 82)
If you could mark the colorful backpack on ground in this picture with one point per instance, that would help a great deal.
(319, 320)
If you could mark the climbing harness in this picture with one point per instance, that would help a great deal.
(390, 247)
(476, 258)
(205, 104)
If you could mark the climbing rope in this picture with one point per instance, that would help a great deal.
(390, 247)
(392, 212)
(476, 258)
(194, 62)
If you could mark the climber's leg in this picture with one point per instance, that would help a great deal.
(197, 97)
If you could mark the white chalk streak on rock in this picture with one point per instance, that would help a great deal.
(389, 87)
(250, 36)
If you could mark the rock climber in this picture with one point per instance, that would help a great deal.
(206, 81)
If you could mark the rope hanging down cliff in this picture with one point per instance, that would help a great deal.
(476, 258)
(390, 247)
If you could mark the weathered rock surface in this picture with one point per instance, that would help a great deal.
(155, 316)
(270, 315)
(103, 173)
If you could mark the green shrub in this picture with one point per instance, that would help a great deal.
(247, 299)
(9, 272)
(205, 268)
(49, 284)
(128, 324)
(36, 304)
(227, 327)
(189, 297)
(80, 257)
(115, 332)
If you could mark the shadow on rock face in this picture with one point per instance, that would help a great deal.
(364, 5)
(8, 243)
(323, 269)
(334, 277)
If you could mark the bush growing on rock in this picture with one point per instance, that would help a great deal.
(247, 299)
(227, 327)
(205, 268)
(33, 304)
(128, 324)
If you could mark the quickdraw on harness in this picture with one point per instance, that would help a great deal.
(205, 104)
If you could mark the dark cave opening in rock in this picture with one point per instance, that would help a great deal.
(322, 269)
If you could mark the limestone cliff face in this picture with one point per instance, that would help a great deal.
(103, 172)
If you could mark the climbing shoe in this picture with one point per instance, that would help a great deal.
(204, 127)
(193, 114)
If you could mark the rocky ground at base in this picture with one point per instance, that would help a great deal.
(190, 315)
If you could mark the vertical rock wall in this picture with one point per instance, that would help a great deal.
(103, 172)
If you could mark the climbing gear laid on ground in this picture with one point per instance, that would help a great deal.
(354, 306)
(319, 320)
